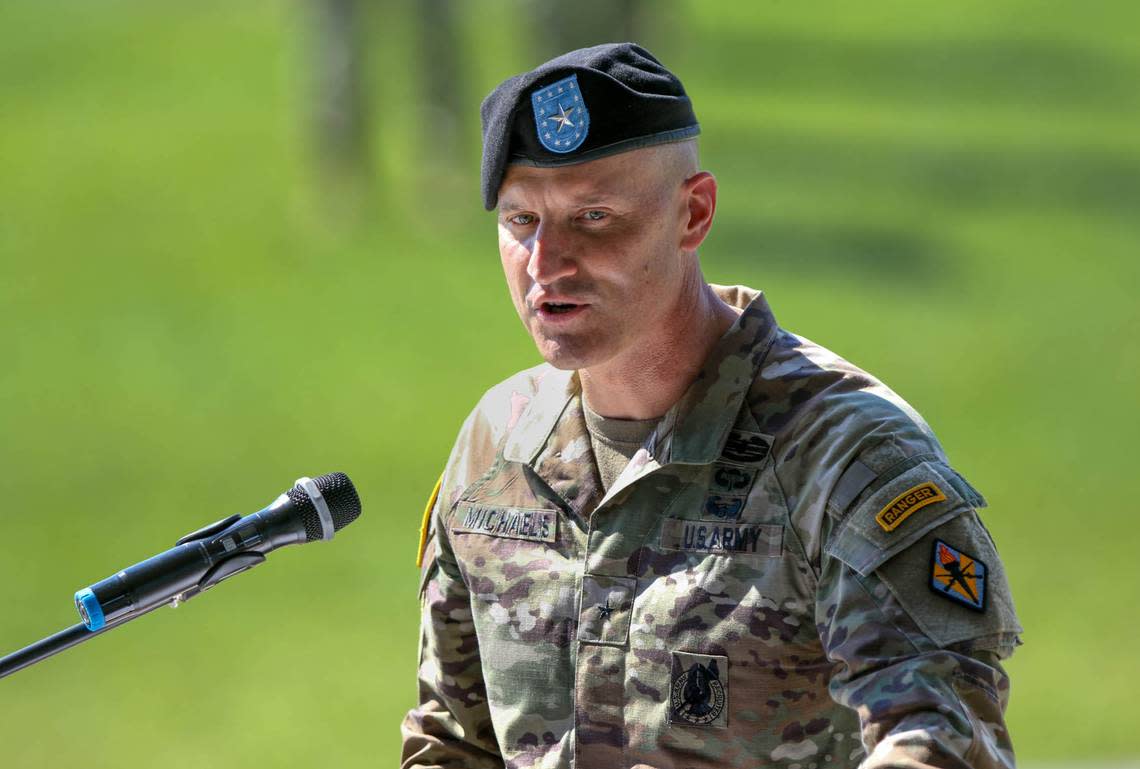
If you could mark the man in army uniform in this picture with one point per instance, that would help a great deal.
(691, 538)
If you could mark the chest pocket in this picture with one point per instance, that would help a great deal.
(520, 580)
(734, 587)
(723, 637)
(517, 554)
(503, 515)
(510, 543)
(700, 568)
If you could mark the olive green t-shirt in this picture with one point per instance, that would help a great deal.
(615, 441)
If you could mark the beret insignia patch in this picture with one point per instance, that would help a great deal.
(560, 115)
(958, 576)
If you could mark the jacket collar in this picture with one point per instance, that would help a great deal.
(695, 429)
(707, 411)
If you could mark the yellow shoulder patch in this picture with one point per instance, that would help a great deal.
(425, 524)
(904, 505)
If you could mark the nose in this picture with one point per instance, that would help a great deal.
(551, 256)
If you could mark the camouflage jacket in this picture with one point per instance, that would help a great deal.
(787, 573)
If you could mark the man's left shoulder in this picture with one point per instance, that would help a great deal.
(870, 486)
(842, 436)
(824, 412)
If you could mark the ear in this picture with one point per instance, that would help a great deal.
(699, 196)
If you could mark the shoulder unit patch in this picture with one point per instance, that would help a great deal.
(901, 507)
(958, 576)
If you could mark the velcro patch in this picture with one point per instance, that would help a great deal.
(725, 538)
(958, 576)
(698, 690)
(721, 507)
(902, 506)
(728, 479)
(509, 522)
(560, 115)
(746, 448)
(606, 607)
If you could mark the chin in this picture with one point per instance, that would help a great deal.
(564, 356)
(560, 359)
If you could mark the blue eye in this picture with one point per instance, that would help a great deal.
(595, 216)
(522, 219)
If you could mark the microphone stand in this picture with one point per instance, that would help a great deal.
(62, 640)
(77, 634)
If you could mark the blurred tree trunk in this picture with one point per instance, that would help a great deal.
(338, 106)
(441, 74)
(565, 26)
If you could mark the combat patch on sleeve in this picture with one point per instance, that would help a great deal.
(958, 576)
(901, 507)
(952, 585)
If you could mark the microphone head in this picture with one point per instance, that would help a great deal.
(340, 496)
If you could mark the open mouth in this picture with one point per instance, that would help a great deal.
(557, 311)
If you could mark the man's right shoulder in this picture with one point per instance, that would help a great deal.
(487, 427)
(500, 408)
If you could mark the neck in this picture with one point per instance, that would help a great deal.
(645, 382)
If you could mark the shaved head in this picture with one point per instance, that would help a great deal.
(661, 169)
(678, 161)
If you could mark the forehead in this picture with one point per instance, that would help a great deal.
(628, 176)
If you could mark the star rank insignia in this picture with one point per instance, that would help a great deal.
(560, 115)
(605, 610)
(958, 576)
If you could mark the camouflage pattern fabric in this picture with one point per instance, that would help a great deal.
(763, 585)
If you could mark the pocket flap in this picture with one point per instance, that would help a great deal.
(896, 515)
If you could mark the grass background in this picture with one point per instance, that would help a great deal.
(946, 194)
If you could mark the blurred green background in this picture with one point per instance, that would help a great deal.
(215, 279)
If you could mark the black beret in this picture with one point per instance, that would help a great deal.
(581, 106)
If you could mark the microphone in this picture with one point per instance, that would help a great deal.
(315, 508)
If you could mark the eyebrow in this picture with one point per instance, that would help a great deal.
(594, 200)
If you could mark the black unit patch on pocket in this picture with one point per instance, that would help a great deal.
(698, 690)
